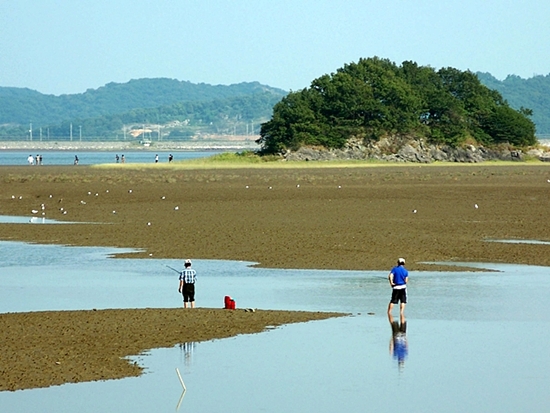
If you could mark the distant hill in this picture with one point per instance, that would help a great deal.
(19, 105)
(141, 101)
(532, 93)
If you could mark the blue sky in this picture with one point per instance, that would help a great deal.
(68, 46)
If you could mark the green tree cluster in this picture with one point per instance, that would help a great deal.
(375, 97)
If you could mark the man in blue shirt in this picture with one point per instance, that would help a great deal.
(398, 278)
(188, 277)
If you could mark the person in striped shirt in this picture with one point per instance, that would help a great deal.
(188, 277)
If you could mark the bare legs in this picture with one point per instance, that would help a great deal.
(401, 310)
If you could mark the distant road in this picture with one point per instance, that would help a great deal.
(202, 145)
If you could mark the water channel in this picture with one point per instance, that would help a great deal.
(475, 340)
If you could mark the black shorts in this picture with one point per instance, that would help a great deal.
(188, 292)
(399, 295)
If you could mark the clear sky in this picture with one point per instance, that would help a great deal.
(68, 46)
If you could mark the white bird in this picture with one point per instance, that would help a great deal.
(107, 191)
(246, 187)
(34, 211)
(163, 197)
(83, 203)
(475, 206)
(13, 197)
(89, 193)
(129, 191)
(20, 197)
(270, 187)
(61, 209)
(148, 223)
(51, 196)
(339, 187)
(176, 208)
(414, 211)
(64, 212)
(114, 212)
(96, 194)
(298, 186)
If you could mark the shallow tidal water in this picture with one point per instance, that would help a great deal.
(476, 341)
(19, 157)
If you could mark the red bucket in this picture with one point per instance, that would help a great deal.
(227, 302)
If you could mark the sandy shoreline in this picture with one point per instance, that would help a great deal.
(283, 217)
(42, 349)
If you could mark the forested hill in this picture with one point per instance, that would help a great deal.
(375, 97)
(532, 93)
(21, 106)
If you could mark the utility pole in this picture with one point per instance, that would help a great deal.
(30, 131)
(80, 132)
(71, 132)
(41, 134)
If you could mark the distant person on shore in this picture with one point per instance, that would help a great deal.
(188, 277)
(156, 158)
(40, 159)
(398, 278)
(30, 160)
(170, 158)
(117, 158)
(76, 160)
(37, 159)
(122, 159)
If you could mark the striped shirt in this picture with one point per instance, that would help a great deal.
(188, 276)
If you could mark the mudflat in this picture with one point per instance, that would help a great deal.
(41, 349)
(338, 217)
(326, 218)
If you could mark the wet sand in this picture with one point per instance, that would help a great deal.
(326, 218)
(42, 349)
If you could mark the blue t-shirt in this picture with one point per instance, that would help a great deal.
(399, 274)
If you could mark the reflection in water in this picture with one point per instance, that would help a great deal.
(187, 350)
(399, 346)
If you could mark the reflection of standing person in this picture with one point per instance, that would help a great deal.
(30, 160)
(156, 158)
(398, 277)
(399, 346)
(76, 160)
(188, 277)
(187, 348)
(170, 158)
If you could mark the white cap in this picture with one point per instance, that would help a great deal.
(401, 260)
(188, 261)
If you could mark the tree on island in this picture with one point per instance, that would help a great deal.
(374, 97)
